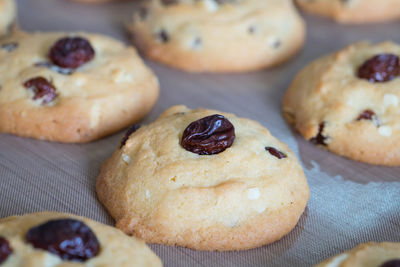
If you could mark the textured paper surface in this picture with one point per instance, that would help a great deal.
(350, 202)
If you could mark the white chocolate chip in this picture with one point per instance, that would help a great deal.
(337, 260)
(211, 5)
(94, 115)
(390, 100)
(147, 194)
(385, 130)
(126, 158)
(253, 193)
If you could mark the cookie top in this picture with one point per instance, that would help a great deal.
(348, 102)
(367, 255)
(218, 36)
(205, 180)
(71, 87)
(39, 239)
(354, 11)
(7, 15)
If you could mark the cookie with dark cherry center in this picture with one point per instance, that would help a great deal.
(53, 239)
(384, 254)
(71, 87)
(254, 34)
(349, 102)
(203, 179)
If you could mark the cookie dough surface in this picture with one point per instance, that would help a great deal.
(366, 255)
(241, 198)
(326, 99)
(354, 11)
(7, 15)
(104, 95)
(116, 249)
(218, 36)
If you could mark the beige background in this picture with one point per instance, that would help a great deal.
(350, 202)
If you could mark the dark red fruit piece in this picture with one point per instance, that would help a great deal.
(5, 249)
(42, 89)
(275, 152)
(209, 135)
(71, 52)
(163, 36)
(128, 133)
(391, 263)
(380, 68)
(319, 139)
(369, 115)
(68, 238)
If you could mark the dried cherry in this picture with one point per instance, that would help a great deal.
(5, 249)
(319, 139)
(275, 152)
(380, 68)
(70, 239)
(42, 89)
(209, 135)
(391, 263)
(128, 133)
(71, 52)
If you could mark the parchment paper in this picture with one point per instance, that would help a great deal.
(350, 202)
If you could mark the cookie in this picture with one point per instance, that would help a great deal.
(71, 87)
(59, 239)
(203, 179)
(367, 255)
(7, 15)
(348, 102)
(216, 35)
(353, 11)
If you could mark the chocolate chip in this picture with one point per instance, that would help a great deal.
(380, 68)
(163, 36)
(391, 263)
(42, 90)
(68, 238)
(128, 133)
(275, 152)
(369, 115)
(55, 68)
(9, 47)
(71, 52)
(209, 135)
(5, 249)
(319, 139)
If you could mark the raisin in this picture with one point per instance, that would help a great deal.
(128, 133)
(5, 249)
(380, 68)
(71, 52)
(9, 47)
(55, 68)
(68, 238)
(209, 135)
(275, 152)
(391, 263)
(43, 90)
(319, 139)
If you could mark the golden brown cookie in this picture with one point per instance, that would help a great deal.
(59, 239)
(203, 180)
(7, 15)
(348, 102)
(71, 87)
(353, 11)
(367, 255)
(216, 35)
